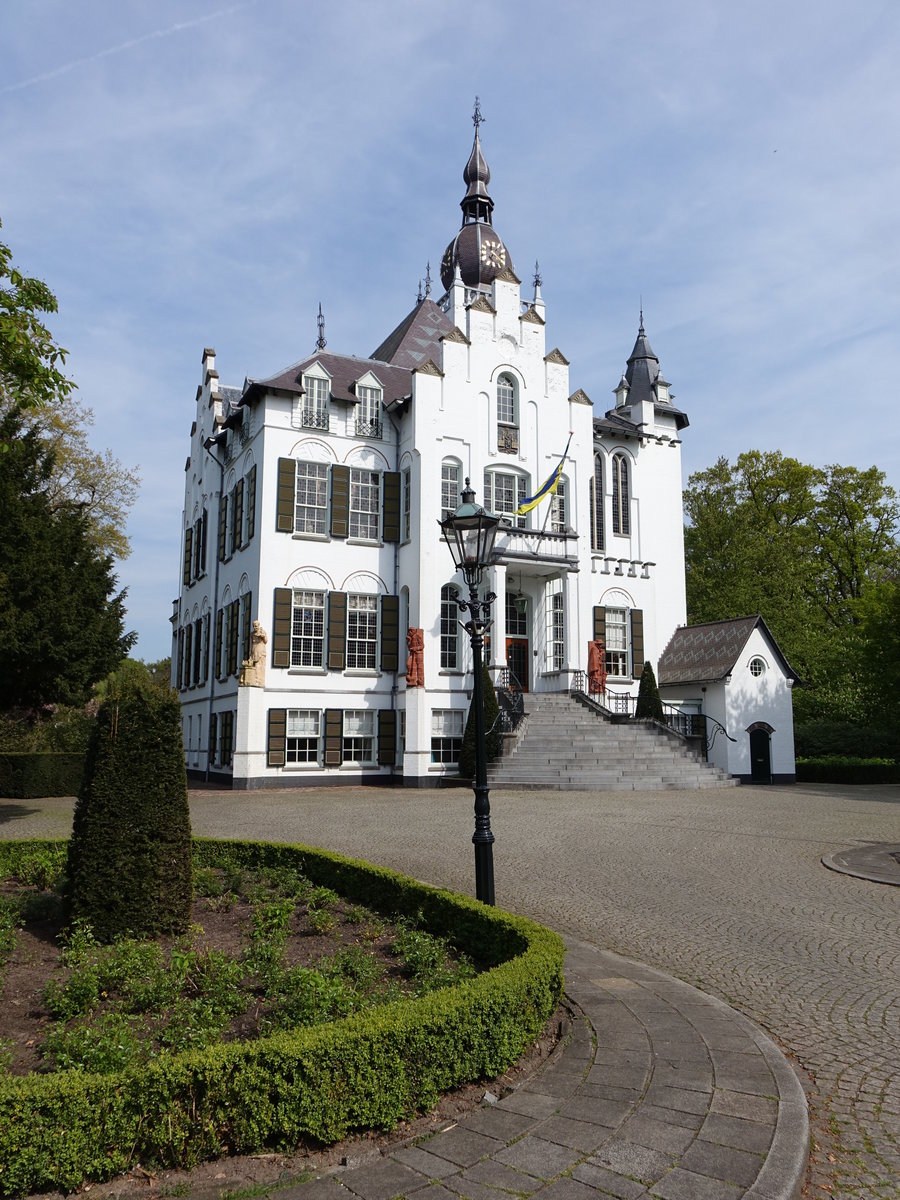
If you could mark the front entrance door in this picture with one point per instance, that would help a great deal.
(760, 756)
(517, 661)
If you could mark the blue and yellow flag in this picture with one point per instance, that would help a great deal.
(547, 488)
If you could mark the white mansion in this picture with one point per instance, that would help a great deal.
(312, 502)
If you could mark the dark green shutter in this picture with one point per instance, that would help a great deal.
(390, 633)
(204, 525)
(186, 567)
(237, 515)
(387, 737)
(281, 627)
(217, 665)
(179, 660)
(277, 740)
(223, 523)
(213, 736)
(340, 501)
(227, 752)
(251, 503)
(234, 616)
(284, 504)
(188, 653)
(334, 720)
(391, 506)
(637, 643)
(337, 630)
(600, 624)
(204, 666)
(246, 604)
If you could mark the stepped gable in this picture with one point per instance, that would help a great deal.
(344, 369)
(417, 338)
(709, 652)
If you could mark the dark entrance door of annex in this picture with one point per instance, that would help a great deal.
(760, 756)
(517, 660)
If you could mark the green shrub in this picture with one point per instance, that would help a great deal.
(838, 768)
(31, 774)
(824, 739)
(493, 735)
(369, 1070)
(649, 706)
(129, 864)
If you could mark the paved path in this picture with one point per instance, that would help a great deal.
(724, 889)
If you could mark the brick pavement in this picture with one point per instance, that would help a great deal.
(723, 889)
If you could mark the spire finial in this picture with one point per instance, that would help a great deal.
(320, 322)
(428, 279)
(641, 330)
(419, 296)
(477, 118)
(538, 281)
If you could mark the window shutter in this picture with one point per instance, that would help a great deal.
(391, 506)
(637, 643)
(198, 647)
(387, 737)
(251, 503)
(284, 504)
(281, 627)
(223, 523)
(217, 665)
(204, 525)
(333, 733)
(277, 739)
(179, 662)
(237, 515)
(204, 668)
(340, 501)
(390, 633)
(246, 605)
(213, 736)
(186, 568)
(337, 630)
(188, 653)
(600, 623)
(234, 615)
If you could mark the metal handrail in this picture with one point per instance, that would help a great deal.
(511, 698)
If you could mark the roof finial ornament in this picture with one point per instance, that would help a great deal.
(428, 279)
(641, 330)
(320, 322)
(538, 281)
(477, 118)
(419, 296)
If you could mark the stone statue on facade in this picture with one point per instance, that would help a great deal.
(415, 661)
(253, 669)
(596, 668)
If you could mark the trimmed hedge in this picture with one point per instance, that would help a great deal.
(26, 776)
(370, 1070)
(835, 768)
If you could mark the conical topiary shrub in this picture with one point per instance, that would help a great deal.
(649, 706)
(493, 737)
(129, 864)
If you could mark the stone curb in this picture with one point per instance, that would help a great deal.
(875, 862)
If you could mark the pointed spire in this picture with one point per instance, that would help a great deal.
(537, 275)
(428, 279)
(419, 296)
(477, 204)
(641, 328)
(320, 322)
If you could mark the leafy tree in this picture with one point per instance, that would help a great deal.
(129, 859)
(493, 737)
(133, 675)
(30, 360)
(61, 623)
(649, 706)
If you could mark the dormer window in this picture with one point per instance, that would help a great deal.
(507, 415)
(368, 411)
(314, 408)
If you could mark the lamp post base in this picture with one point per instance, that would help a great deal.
(484, 871)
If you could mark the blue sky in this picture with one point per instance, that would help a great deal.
(204, 174)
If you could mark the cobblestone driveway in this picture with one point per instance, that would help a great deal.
(721, 888)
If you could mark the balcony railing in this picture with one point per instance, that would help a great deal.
(514, 544)
(369, 429)
(314, 418)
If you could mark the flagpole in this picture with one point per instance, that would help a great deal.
(559, 470)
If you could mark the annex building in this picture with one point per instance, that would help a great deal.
(315, 638)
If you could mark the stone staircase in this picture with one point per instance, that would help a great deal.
(564, 744)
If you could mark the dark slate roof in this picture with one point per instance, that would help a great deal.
(708, 652)
(417, 338)
(642, 370)
(344, 370)
(613, 423)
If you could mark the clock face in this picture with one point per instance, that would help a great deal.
(493, 254)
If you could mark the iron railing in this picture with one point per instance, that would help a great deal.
(511, 700)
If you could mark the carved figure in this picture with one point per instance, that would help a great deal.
(253, 669)
(415, 661)
(596, 668)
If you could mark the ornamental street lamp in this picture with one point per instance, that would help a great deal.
(470, 534)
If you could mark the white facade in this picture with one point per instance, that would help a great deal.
(322, 489)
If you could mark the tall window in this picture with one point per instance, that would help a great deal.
(365, 501)
(368, 412)
(516, 620)
(559, 508)
(620, 507)
(449, 486)
(507, 415)
(302, 736)
(308, 629)
(446, 735)
(315, 403)
(597, 532)
(362, 632)
(503, 493)
(407, 503)
(358, 743)
(311, 498)
(449, 630)
(617, 642)
(556, 626)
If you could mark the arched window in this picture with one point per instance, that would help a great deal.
(597, 538)
(620, 504)
(559, 511)
(507, 415)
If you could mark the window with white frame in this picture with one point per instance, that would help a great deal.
(559, 508)
(757, 667)
(311, 498)
(596, 499)
(503, 493)
(449, 630)
(617, 642)
(407, 503)
(556, 626)
(308, 629)
(314, 412)
(365, 504)
(358, 742)
(507, 415)
(368, 411)
(362, 632)
(446, 735)
(303, 731)
(449, 486)
(621, 517)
